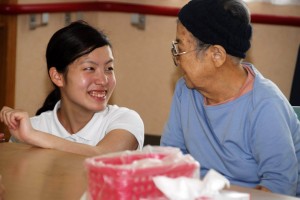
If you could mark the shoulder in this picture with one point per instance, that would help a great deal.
(114, 112)
(266, 90)
(124, 118)
(266, 99)
(45, 116)
(43, 121)
(269, 103)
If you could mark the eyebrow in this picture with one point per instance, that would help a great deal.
(110, 61)
(92, 62)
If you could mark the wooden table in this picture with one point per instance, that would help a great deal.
(31, 173)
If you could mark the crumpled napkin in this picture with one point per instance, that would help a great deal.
(184, 188)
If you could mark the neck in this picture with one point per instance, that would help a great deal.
(72, 120)
(226, 85)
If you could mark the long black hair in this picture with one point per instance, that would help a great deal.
(64, 47)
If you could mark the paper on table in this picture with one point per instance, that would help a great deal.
(183, 188)
(213, 182)
(84, 196)
(178, 188)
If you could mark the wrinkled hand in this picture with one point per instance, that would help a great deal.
(18, 123)
(262, 188)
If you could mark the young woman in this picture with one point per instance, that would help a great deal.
(76, 116)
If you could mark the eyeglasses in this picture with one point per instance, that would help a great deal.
(175, 52)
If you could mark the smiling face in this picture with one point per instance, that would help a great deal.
(89, 81)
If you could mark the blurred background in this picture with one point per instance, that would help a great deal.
(141, 32)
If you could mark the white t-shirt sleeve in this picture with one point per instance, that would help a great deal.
(128, 120)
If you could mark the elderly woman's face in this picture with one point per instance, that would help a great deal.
(195, 65)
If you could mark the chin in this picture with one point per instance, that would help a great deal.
(99, 108)
(188, 84)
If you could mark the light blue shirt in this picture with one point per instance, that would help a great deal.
(252, 140)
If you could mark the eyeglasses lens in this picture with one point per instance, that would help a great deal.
(174, 51)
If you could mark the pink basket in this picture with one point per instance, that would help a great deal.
(112, 181)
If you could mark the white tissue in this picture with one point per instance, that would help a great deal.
(183, 188)
(213, 182)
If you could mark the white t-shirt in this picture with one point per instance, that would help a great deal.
(113, 117)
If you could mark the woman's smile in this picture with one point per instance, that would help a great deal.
(98, 94)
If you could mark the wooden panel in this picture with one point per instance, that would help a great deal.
(153, 140)
(8, 30)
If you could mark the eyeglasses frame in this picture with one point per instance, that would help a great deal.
(175, 52)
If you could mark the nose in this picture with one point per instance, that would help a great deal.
(101, 78)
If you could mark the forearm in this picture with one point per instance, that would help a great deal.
(278, 167)
(46, 140)
(117, 140)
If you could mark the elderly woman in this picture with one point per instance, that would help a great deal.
(224, 112)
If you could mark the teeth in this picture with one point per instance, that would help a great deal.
(97, 94)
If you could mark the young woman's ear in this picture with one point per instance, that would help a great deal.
(56, 77)
(218, 55)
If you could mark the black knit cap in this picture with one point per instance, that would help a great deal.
(208, 21)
